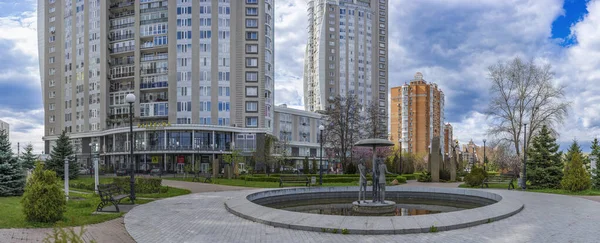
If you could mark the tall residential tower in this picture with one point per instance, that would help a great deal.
(417, 115)
(347, 53)
(202, 73)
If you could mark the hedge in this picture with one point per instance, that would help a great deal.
(142, 185)
(325, 179)
(401, 179)
(410, 176)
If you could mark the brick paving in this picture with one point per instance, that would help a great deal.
(203, 218)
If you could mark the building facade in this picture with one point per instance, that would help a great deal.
(4, 126)
(202, 73)
(346, 53)
(417, 115)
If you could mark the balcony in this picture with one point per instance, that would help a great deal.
(149, 45)
(152, 21)
(154, 85)
(121, 49)
(122, 14)
(167, 148)
(120, 26)
(122, 75)
(121, 37)
(153, 100)
(154, 71)
(160, 56)
(148, 10)
(121, 4)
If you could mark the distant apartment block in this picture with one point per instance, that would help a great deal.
(4, 126)
(417, 115)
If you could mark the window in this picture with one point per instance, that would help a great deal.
(251, 62)
(252, 91)
(251, 106)
(251, 23)
(251, 121)
(251, 76)
(251, 35)
(252, 1)
(252, 11)
(51, 107)
(51, 60)
(252, 48)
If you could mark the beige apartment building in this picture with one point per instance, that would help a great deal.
(417, 116)
(347, 53)
(201, 71)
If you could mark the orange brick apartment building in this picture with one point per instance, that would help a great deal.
(417, 115)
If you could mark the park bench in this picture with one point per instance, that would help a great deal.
(110, 194)
(293, 179)
(198, 176)
(499, 179)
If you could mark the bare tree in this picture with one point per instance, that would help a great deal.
(374, 123)
(342, 126)
(523, 92)
(506, 158)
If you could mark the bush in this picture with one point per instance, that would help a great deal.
(475, 177)
(410, 176)
(425, 177)
(444, 175)
(43, 200)
(401, 179)
(142, 185)
(576, 177)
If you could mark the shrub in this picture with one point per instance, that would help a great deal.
(345, 231)
(315, 167)
(444, 175)
(410, 176)
(475, 177)
(142, 185)
(43, 200)
(401, 179)
(425, 177)
(433, 229)
(576, 177)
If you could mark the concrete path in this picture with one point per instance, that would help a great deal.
(197, 187)
(203, 218)
(593, 198)
(109, 231)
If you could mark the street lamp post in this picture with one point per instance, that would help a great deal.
(524, 181)
(130, 98)
(484, 161)
(321, 128)
(95, 161)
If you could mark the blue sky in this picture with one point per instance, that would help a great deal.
(450, 42)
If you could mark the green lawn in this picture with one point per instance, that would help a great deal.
(256, 184)
(589, 192)
(79, 212)
(491, 186)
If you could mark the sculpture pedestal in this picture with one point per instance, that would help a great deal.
(370, 207)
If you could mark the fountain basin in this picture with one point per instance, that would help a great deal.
(368, 207)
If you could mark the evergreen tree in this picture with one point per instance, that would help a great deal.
(576, 177)
(575, 148)
(12, 176)
(544, 165)
(62, 150)
(595, 155)
(28, 158)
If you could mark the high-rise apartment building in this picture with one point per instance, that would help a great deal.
(346, 53)
(417, 115)
(202, 73)
(4, 126)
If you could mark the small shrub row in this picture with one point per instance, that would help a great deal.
(401, 179)
(410, 176)
(425, 177)
(142, 185)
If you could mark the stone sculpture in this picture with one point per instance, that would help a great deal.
(362, 190)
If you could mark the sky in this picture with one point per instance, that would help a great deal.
(451, 42)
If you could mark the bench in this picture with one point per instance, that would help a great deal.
(293, 179)
(110, 194)
(198, 176)
(504, 178)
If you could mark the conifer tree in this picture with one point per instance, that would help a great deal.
(28, 158)
(575, 148)
(576, 177)
(544, 165)
(12, 176)
(62, 150)
(595, 155)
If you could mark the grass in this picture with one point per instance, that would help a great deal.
(172, 192)
(255, 184)
(79, 212)
(589, 192)
(491, 186)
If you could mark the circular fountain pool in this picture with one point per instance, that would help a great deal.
(316, 209)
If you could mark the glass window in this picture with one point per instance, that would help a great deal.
(251, 62)
(251, 23)
(251, 121)
(252, 48)
(251, 76)
(251, 35)
(252, 106)
(252, 11)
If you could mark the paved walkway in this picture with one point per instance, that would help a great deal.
(109, 231)
(196, 187)
(203, 218)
